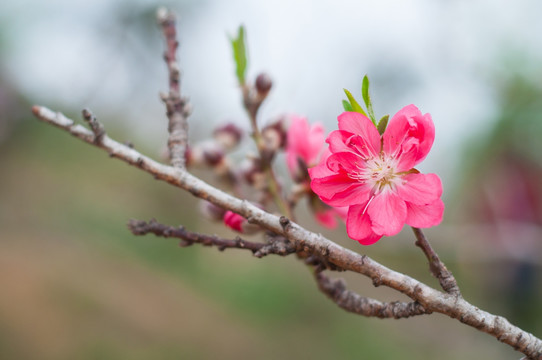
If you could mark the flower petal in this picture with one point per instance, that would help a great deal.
(326, 218)
(314, 144)
(338, 140)
(321, 170)
(361, 125)
(328, 186)
(405, 126)
(420, 189)
(358, 225)
(424, 216)
(356, 194)
(387, 212)
(304, 142)
(345, 161)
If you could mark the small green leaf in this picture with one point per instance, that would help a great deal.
(382, 124)
(347, 106)
(354, 104)
(240, 54)
(367, 98)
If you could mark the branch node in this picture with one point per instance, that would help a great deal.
(96, 127)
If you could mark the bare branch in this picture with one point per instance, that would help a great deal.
(178, 108)
(436, 266)
(352, 302)
(431, 299)
(276, 245)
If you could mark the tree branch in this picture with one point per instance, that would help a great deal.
(436, 266)
(431, 299)
(352, 302)
(277, 245)
(178, 108)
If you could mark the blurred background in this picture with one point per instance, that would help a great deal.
(77, 285)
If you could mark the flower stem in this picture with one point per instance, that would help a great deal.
(252, 105)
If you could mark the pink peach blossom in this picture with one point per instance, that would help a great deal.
(305, 147)
(375, 177)
(305, 143)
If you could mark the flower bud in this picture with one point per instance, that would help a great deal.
(251, 170)
(207, 153)
(275, 134)
(228, 135)
(238, 223)
(263, 84)
(234, 221)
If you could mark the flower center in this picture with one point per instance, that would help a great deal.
(378, 173)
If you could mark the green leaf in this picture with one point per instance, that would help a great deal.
(367, 98)
(347, 106)
(240, 54)
(382, 124)
(354, 104)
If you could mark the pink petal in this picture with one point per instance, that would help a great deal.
(405, 126)
(328, 186)
(338, 140)
(315, 144)
(408, 154)
(358, 225)
(360, 125)
(420, 189)
(345, 161)
(353, 195)
(387, 212)
(319, 171)
(291, 161)
(342, 212)
(370, 240)
(326, 218)
(304, 142)
(360, 145)
(424, 216)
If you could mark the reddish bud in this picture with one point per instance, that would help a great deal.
(207, 153)
(263, 84)
(275, 134)
(251, 170)
(228, 135)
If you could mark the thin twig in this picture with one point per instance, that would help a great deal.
(178, 108)
(352, 302)
(276, 246)
(252, 100)
(436, 266)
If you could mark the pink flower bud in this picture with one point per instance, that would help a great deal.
(234, 221)
(238, 223)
